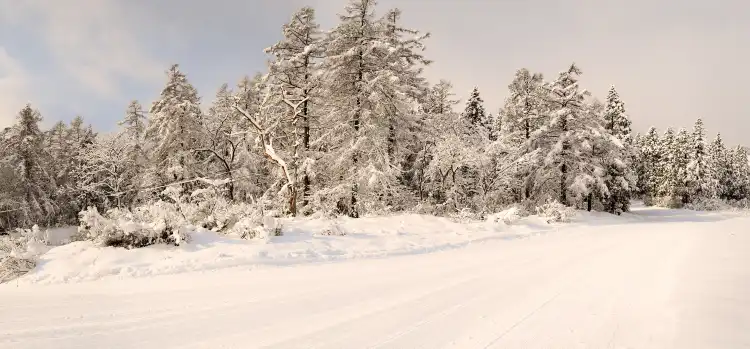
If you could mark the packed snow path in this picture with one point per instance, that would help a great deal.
(666, 282)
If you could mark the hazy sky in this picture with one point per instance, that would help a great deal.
(672, 61)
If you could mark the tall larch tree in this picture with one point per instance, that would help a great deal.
(132, 132)
(522, 114)
(174, 132)
(370, 76)
(25, 154)
(294, 76)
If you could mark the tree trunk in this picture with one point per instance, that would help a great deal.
(589, 199)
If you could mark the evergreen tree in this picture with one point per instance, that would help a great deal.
(617, 121)
(739, 168)
(133, 128)
(620, 178)
(721, 162)
(701, 175)
(562, 147)
(475, 115)
(174, 132)
(675, 186)
(651, 165)
(24, 153)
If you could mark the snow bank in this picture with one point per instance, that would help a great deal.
(303, 241)
(319, 240)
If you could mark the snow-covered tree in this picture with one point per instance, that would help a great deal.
(222, 142)
(105, 175)
(174, 132)
(24, 154)
(701, 175)
(522, 114)
(651, 165)
(439, 99)
(739, 186)
(720, 160)
(131, 135)
(675, 185)
(617, 121)
(564, 164)
(294, 77)
(373, 80)
(620, 178)
(262, 176)
(474, 113)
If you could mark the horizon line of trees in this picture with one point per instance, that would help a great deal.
(345, 123)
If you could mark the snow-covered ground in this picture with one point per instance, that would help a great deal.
(652, 279)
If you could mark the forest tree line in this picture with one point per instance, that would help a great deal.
(345, 123)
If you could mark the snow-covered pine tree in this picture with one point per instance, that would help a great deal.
(132, 130)
(58, 146)
(294, 76)
(24, 153)
(620, 178)
(719, 158)
(739, 186)
(617, 121)
(701, 175)
(476, 116)
(651, 165)
(562, 148)
(675, 184)
(174, 132)
(371, 89)
(666, 144)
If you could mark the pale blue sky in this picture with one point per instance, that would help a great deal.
(672, 60)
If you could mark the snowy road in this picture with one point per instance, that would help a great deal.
(662, 283)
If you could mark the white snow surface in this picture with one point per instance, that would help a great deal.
(655, 278)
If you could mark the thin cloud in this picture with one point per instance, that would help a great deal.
(13, 88)
(93, 41)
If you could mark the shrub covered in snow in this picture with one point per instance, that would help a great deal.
(708, 205)
(508, 216)
(333, 229)
(156, 224)
(668, 202)
(554, 212)
(248, 228)
(170, 222)
(19, 252)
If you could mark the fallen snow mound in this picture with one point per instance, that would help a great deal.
(305, 241)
